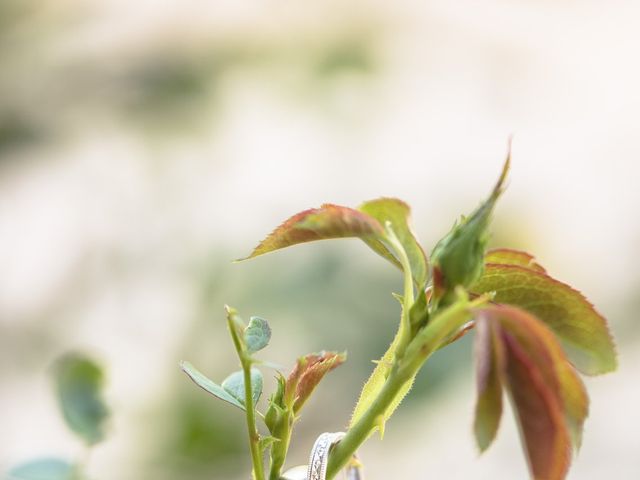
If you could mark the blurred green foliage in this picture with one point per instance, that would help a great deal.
(79, 381)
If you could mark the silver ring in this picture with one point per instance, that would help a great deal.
(319, 458)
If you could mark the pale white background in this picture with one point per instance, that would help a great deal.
(430, 125)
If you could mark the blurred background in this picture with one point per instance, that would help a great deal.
(145, 145)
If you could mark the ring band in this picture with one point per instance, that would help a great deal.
(319, 458)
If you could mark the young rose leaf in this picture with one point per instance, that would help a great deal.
(542, 346)
(44, 469)
(549, 399)
(257, 334)
(398, 214)
(234, 385)
(78, 382)
(490, 360)
(458, 258)
(306, 376)
(583, 331)
(328, 221)
(539, 412)
(209, 386)
(507, 256)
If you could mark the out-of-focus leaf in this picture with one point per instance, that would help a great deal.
(398, 214)
(583, 331)
(257, 334)
(508, 256)
(307, 374)
(328, 221)
(539, 412)
(234, 385)
(458, 258)
(548, 397)
(44, 469)
(209, 386)
(542, 346)
(79, 381)
(490, 360)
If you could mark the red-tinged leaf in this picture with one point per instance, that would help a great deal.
(328, 221)
(306, 376)
(398, 213)
(490, 364)
(582, 330)
(542, 346)
(539, 412)
(508, 256)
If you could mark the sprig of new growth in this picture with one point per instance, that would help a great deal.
(285, 404)
(533, 331)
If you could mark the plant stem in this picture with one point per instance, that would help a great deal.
(245, 361)
(403, 370)
(254, 437)
(407, 302)
(279, 450)
(360, 431)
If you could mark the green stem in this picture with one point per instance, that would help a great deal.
(360, 431)
(403, 370)
(254, 437)
(245, 361)
(279, 450)
(408, 299)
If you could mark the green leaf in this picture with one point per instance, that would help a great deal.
(44, 469)
(306, 376)
(257, 334)
(398, 214)
(490, 359)
(209, 386)
(458, 258)
(328, 221)
(583, 331)
(234, 385)
(508, 256)
(78, 383)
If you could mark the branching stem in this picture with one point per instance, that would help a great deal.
(427, 341)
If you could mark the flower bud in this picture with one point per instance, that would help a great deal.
(458, 258)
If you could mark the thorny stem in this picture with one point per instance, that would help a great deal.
(403, 370)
